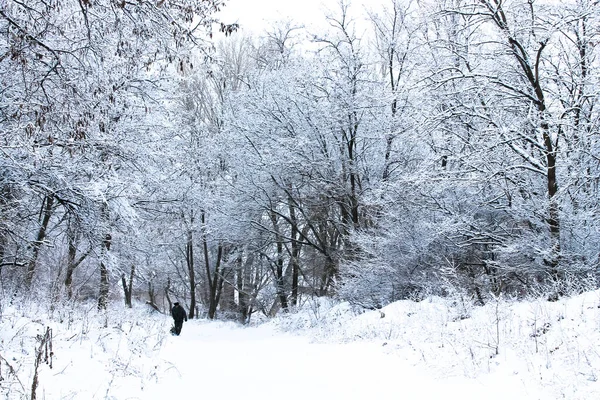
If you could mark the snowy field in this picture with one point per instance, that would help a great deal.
(434, 349)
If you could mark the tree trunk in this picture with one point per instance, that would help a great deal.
(295, 277)
(217, 283)
(327, 277)
(127, 287)
(189, 258)
(167, 289)
(279, 279)
(245, 288)
(553, 216)
(5, 195)
(47, 205)
(2, 247)
(294, 265)
(72, 262)
(394, 77)
(530, 71)
(104, 288)
(214, 278)
(72, 253)
(152, 297)
(227, 300)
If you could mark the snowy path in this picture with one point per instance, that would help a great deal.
(215, 361)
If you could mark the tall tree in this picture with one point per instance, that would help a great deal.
(79, 79)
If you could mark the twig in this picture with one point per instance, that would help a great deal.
(12, 371)
(44, 350)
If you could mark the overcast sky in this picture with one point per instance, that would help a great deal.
(255, 15)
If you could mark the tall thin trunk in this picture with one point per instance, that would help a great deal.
(167, 290)
(353, 175)
(128, 287)
(245, 287)
(553, 215)
(389, 138)
(221, 283)
(530, 69)
(73, 262)
(104, 287)
(189, 257)
(328, 276)
(2, 245)
(152, 296)
(216, 286)
(294, 263)
(227, 299)
(241, 289)
(5, 195)
(47, 210)
(214, 278)
(72, 253)
(279, 278)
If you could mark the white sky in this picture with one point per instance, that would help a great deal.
(256, 15)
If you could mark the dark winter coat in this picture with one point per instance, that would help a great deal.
(178, 313)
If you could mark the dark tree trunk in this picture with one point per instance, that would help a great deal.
(167, 290)
(389, 138)
(295, 277)
(327, 277)
(2, 246)
(241, 289)
(47, 210)
(214, 278)
(128, 287)
(245, 288)
(294, 265)
(73, 262)
(72, 253)
(5, 195)
(217, 283)
(189, 258)
(279, 278)
(530, 69)
(104, 288)
(152, 297)
(553, 216)
(227, 300)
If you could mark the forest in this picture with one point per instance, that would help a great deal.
(150, 152)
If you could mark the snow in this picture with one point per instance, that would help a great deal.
(433, 349)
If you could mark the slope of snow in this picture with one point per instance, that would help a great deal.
(551, 349)
(437, 348)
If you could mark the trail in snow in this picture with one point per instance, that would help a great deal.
(546, 351)
(219, 361)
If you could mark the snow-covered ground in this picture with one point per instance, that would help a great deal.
(434, 349)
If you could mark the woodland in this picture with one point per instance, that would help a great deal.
(149, 152)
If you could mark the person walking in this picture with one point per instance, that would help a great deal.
(179, 315)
